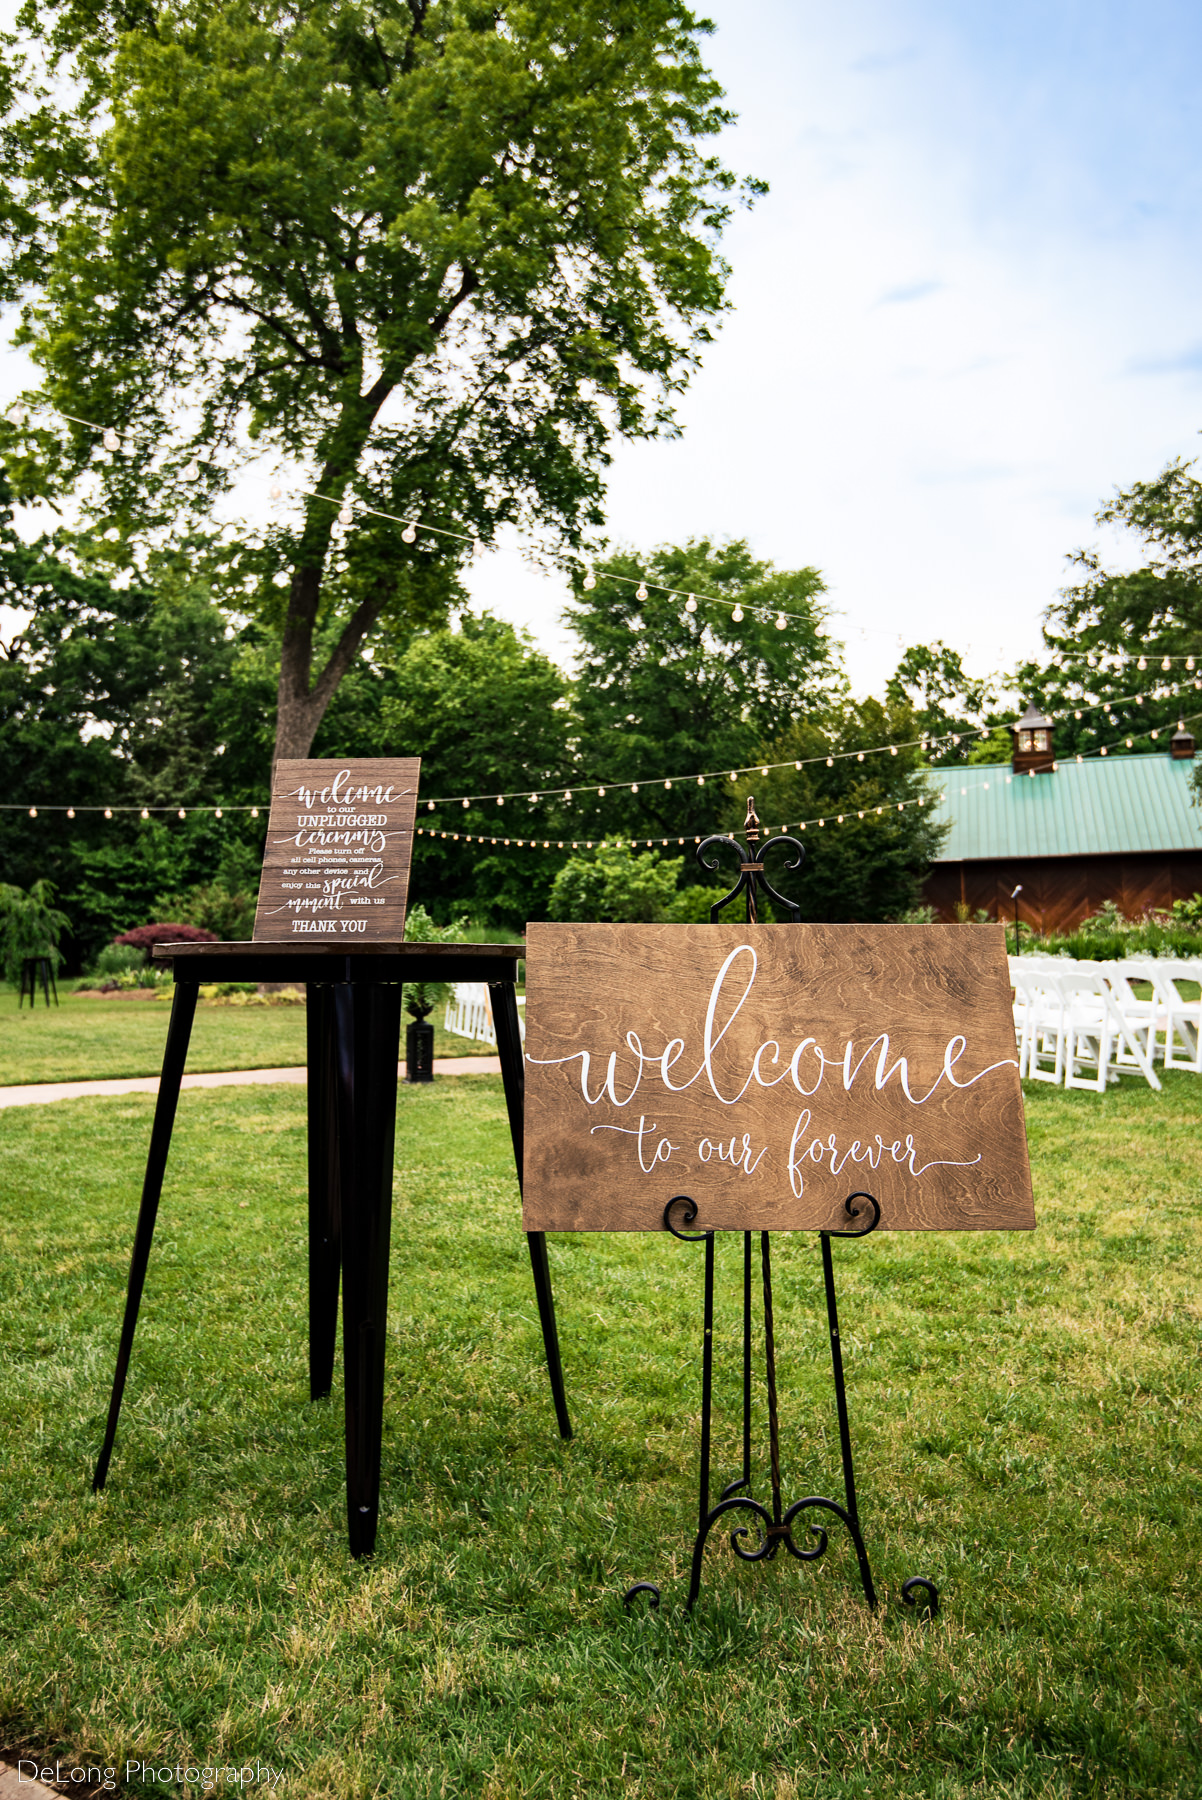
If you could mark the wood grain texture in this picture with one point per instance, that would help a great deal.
(339, 846)
(769, 1072)
(1060, 891)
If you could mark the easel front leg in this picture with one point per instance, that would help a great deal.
(509, 1049)
(325, 1215)
(179, 1030)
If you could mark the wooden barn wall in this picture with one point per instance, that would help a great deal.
(1060, 891)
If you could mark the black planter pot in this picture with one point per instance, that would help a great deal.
(419, 1051)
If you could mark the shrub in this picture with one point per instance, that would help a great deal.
(421, 997)
(220, 911)
(144, 937)
(119, 959)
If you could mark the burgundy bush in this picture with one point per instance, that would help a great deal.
(144, 936)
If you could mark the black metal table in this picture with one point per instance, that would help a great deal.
(353, 1045)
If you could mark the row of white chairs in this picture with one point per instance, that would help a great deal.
(469, 1013)
(1080, 1024)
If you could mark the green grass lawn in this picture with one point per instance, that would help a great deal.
(89, 1040)
(1025, 1411)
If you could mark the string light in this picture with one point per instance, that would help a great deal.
(641, 591)
(737, 615)
(409, 534)
(690, 604)
(589, 582)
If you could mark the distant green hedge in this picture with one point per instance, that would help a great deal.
(1106, 936)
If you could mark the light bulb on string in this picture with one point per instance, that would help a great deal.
(640, 593)
(634, 787)
(182, 813)
(733, 775)
(409, 535)
(345, 515)
(500, 799)
(859, 756)
(479, 547)
(1167, 663)
(893, 747)
(254, 812)
(737, 615)
(830, 762)
(1142, 663)
(70, 812)
(589, 582)
(690, 604)
(701, 781)
(191, 471)
(667, 786)
(110, 440)
(429, 806)
(567, 795)
(108, 812)
(1189, 662)
(600, 793)
(33, 812)
(467, 803)
(782, 624)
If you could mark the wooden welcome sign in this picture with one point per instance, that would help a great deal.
(339, 846)
(769, 1072)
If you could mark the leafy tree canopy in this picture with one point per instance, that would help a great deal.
(1095, 694)
(871, 864)
(435, 253)
(662, 691)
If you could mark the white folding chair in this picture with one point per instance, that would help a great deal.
(1094, 1029)
(1145, 1017)
(1183, 1018)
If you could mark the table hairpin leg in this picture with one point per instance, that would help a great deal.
(509, 1050)
(179, 1030)
(775, 1526)
(325, 1212)
(366, 1041)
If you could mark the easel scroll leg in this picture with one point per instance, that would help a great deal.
(509, 1049)
(179, 1030)
(325, 1220)
(849, 1478)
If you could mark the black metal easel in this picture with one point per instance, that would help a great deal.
(775, 1524)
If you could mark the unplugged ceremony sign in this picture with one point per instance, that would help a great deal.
(339, 846)
(770, 1071)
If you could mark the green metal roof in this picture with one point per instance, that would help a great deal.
(1101, 807)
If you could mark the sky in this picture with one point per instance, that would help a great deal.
(964, 314)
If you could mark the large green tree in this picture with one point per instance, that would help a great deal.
(663, 693)
(1108, 636)
(432, 253)
(868, 843)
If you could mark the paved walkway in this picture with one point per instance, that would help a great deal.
(38, 1093)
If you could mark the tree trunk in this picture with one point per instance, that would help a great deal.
(300, 703)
